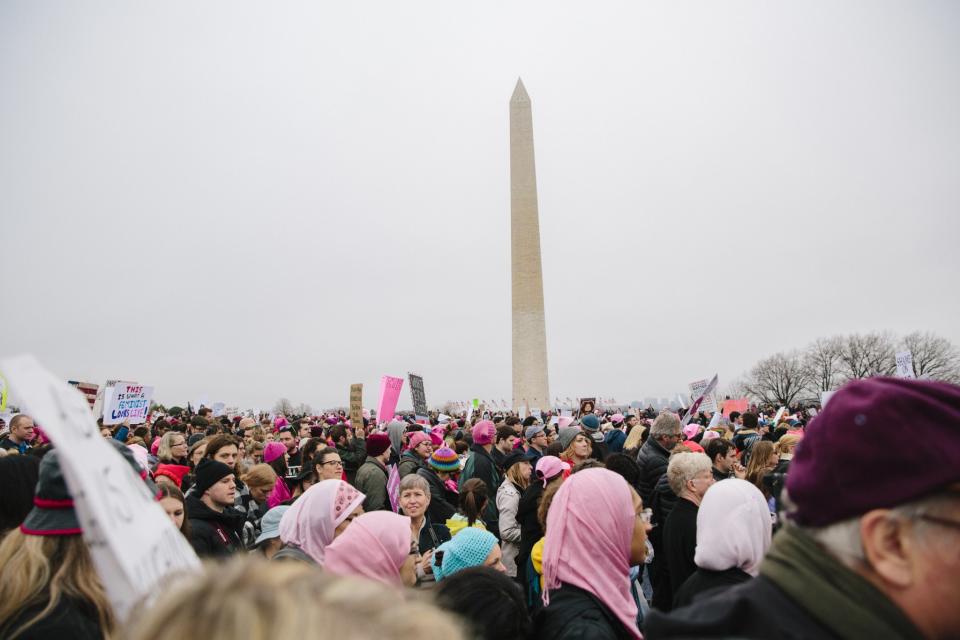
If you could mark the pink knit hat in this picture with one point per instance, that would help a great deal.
(483, 432)
(416, 438)
(273, 450)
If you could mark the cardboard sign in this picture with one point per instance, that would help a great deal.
(418, 396)
(112, 503)
(356, 406)
(698, 388)
(128, 401)
(905, 365)
(389, 394)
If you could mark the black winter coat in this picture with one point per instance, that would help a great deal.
(755, 609)
(530, 531)
(480, 465)
(442, 500)
(214, 534)
(71, 618)
(575, 614)
(680, 544)
(703, 581)
(653, 460)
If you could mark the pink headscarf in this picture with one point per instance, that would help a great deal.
(311, 522)
(374, 546)
(590, 528)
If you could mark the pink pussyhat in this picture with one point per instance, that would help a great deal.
(691, 430)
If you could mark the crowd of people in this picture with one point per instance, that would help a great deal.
(600, 525)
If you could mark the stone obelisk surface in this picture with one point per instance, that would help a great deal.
(530, 387)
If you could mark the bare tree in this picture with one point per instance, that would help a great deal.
(824, 362)
(779, 379)
(303, 409)
(865, 356)
(283, 406)
(933, 357)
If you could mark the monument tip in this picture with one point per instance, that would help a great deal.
(519, 93)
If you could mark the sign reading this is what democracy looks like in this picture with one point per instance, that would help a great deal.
(130, 401)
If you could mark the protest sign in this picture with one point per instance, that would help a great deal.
(714, 420)
(824, 398)
(740, 404)
(700, 401)
(776, 418)
(389, 394)
(356, 406)
(418, 396)
(905, 365)
(697, 389)
(219, 409)
(3, 393)
(112, 502)
(128, 401)
(587, 405)
(536, 413)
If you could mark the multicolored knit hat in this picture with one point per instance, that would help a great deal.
(445, 459)
(469, 548)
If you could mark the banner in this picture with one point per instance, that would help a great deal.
(389, 394)
(128, 401)
(356, 406)
(113, 504)
(698, 403)
(905, 365)
(88, 389)
(740, 404)
(418, 396)
(698, 388)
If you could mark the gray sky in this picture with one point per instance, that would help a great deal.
(250, 200)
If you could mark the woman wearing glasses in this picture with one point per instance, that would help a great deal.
(328, 464)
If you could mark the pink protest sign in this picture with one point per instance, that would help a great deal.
(740, 404)
(389, 394)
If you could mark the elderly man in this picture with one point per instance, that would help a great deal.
(870, 549)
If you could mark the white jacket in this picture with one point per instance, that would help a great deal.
(508, 501)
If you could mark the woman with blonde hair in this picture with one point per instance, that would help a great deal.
(215, 605)
(576, 446)
(785, 448)
(48, 585)
(763, 460)
(173, 449)
(516, 479)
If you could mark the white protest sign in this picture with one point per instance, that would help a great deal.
(699, 388)
(905, 365)
(715, 420)
(127, 401)
(701, 400)
(824, 397)
(219, 409)
(132, 541)
(536, 413)
(779, 415)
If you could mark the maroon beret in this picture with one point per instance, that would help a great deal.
(377, 443)
(879, 443)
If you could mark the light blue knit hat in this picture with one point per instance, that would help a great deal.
(469, 548)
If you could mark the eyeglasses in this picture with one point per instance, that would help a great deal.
(336, 463)
(646, 516)
(945, 522)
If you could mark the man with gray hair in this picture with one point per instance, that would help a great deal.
(664, 435)
(870, 546)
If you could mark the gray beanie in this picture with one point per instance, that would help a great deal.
(567, 434)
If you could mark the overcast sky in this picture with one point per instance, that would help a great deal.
(249, 200)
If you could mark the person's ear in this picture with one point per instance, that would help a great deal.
(888, 547)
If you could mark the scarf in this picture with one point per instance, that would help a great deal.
(837, 597)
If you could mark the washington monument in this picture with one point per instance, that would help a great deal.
(530, 389)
